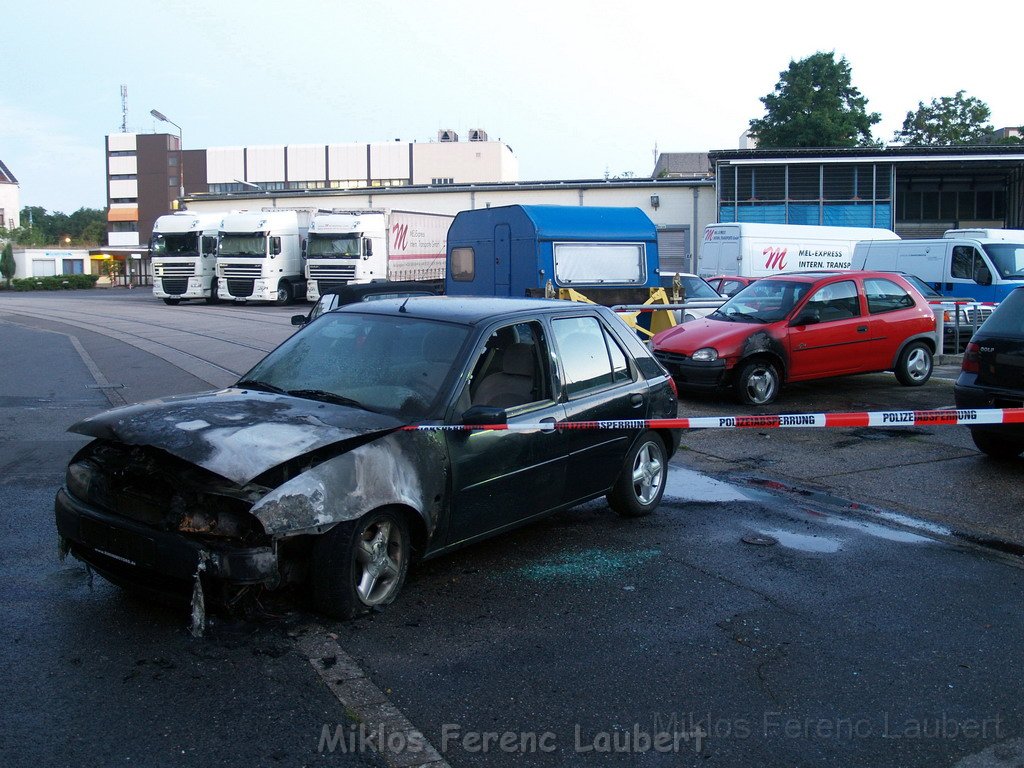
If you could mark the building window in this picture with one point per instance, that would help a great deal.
(123, 177)
(172, 160)
(124, 226)
(172, 181)
(73, 266)
(124, 200)
(442, 181)
(122, 153)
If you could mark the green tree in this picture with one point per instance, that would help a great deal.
(86, 226)
(815, 105)
(947, 120)
(7, 265)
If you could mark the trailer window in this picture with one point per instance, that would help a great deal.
(600, 263)
(463, 264)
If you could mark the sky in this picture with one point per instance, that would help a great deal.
(577, 88)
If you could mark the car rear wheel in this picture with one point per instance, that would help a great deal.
(758, 383)
(996, 446)
(360, 565)
(914, 366)
(641, 483)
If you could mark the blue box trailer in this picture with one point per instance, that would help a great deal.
(608, 254)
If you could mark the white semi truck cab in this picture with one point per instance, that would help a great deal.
(184, 254)
(260, 255)
(360, 246)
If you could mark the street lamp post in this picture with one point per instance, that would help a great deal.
(181, 156)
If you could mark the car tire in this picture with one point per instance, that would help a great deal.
(641, 484)
(914, 366)
(284, 294)
(758, 383)
(213, 298)
(360, 565)
(172, 302)
(996, 446)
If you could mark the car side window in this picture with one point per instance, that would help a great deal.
(512, 369)
(967, 263)
(730, 287)
(591, 359)
(835, 301)
(886, 296)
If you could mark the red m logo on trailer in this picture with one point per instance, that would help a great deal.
(708, 234)
(776, 258)
(399, 236)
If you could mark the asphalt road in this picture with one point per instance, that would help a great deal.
(849, 641)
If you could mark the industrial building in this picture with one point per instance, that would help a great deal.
(10, 199)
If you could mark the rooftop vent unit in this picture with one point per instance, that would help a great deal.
(477, 134)
(447, 135)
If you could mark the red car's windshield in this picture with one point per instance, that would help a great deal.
(765, 301)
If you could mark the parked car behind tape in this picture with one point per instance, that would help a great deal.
(803, 326)
(300, 472)
(992, 376)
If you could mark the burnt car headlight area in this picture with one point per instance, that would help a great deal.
(140, 516)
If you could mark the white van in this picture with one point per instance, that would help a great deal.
(763, 250)
(984, 269)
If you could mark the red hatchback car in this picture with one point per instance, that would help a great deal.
(802, 326)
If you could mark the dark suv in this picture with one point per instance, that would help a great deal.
(993, 376)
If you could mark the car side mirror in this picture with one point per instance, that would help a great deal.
(298, 319)
(367, 247)
(484, 414)
(807, 316)
(275, 246)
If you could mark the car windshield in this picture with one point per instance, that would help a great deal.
(922, 287)
(765, 301)
(693, 287)
(253, 244)
(1008, 258)
(389, 364)
(1008, 318)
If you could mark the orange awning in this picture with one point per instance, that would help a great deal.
(123, 214)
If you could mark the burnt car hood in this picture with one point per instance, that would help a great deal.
(724, 335)
(238, 434)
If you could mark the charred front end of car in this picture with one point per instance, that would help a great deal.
(142, 517)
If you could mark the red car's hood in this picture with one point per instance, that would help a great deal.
(724, 335)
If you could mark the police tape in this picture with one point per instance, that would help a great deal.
(936, 418)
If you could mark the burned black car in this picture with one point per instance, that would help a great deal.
(302, 471)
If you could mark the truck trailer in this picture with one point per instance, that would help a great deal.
(360, 246)
(184, 253)
(259, 256)
(609, 254)
(763, 250)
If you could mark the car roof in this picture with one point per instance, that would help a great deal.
(812, 276)
(468, 310)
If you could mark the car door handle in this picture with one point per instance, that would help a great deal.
(636, 400)
(862, 329)
(549, 424)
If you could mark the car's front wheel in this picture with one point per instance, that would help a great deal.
(284, 294)
(914, 366)
(758, 383)
(996, 446)
(361, 564)
(641, 483)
